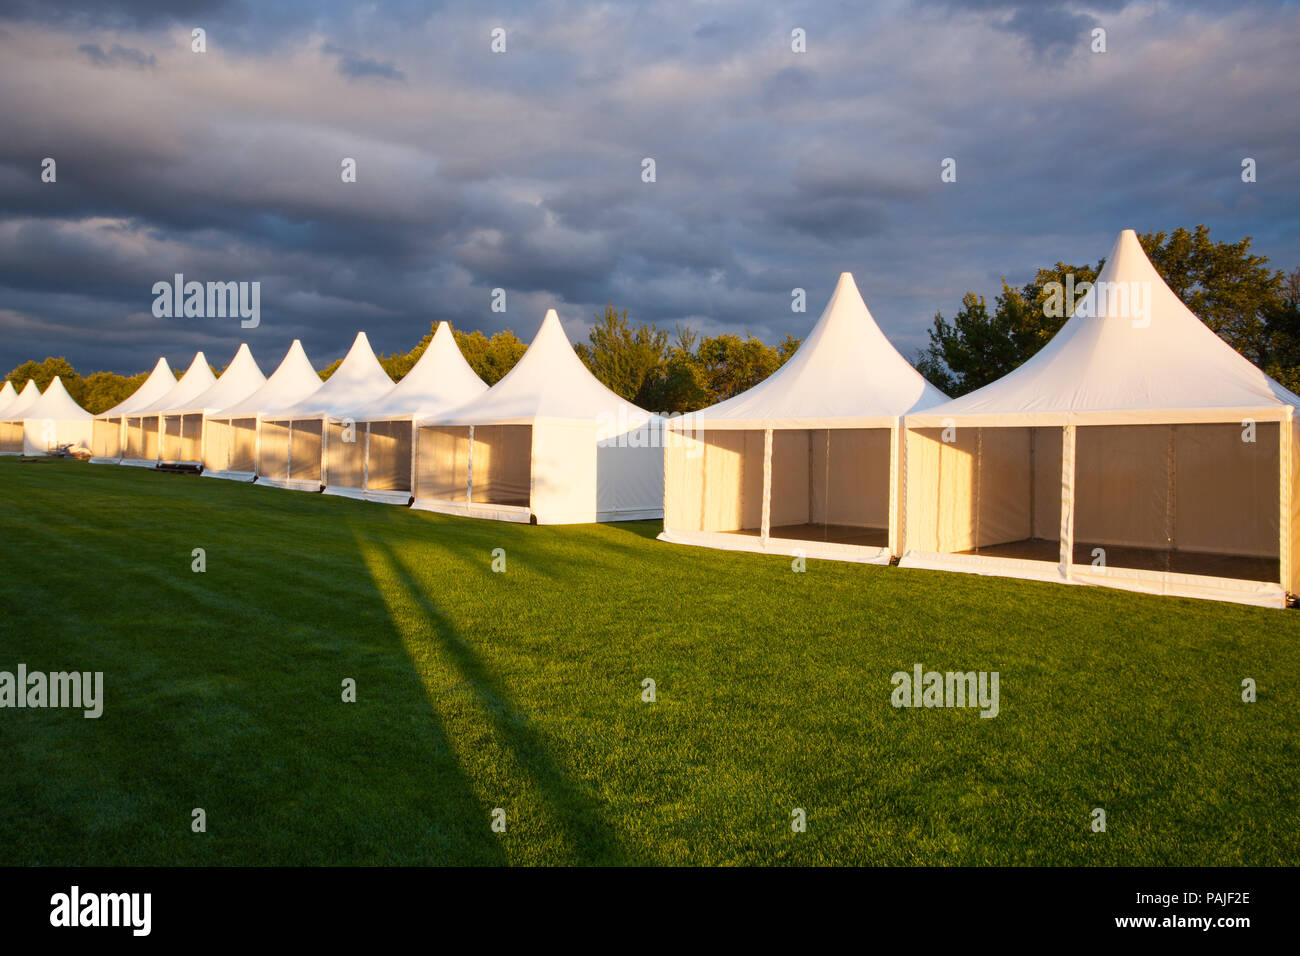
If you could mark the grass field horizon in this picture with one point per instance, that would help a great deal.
(522, 690)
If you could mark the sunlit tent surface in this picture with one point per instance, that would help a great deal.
(11, 425)
(144, 437)
(230, 434)
(183, 431)
(108, 440)
(548, 444)
(1137, 450)
(291, 443)
(370, 450)
(7, 396)
(55, 420)
(807, 460)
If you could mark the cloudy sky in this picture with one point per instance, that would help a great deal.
(522, 170)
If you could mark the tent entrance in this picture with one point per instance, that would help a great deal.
(106, 438)
(11, 438)
(988, 491)
(475, 465)
(1185, 498)
(830, 485)
(388, 456)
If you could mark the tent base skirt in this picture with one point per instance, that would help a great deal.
(290, 484)
(230, 475)
(625, 514)
(388, 497)
(1167, 583)
(342, 491)
(106, 461)
(788, 547)
(475, 510)
(139, 462)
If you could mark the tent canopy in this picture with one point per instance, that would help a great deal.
(241, 378)
(29, 396)
(358, 380)
(198, 378)
(548, 383)
(7, 395)
(57, 405)
(292, 382)
(1131, 353)
(846, 374)
(159, 383)
(441, 379)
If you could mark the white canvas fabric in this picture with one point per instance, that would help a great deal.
(109, 430)
(548, 444)
(378, 464)
(240, 379)
(296, 459)
(7, 396)
(54, 420)
(231, 433)
(806, 461)
(144, 433)
(11, 425)
(1137, 449)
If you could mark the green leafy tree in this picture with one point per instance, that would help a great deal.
(624, 357)
(490, 358)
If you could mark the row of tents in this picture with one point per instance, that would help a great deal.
(1135, 450)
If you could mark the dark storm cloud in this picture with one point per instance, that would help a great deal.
(522, 171)
(118, 55)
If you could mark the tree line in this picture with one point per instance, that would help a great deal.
(1254, 308)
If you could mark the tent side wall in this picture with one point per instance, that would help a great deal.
(442, 464)
(564, 463)
(106, 438)
(713, 481)
(388, 457)
(345, 456)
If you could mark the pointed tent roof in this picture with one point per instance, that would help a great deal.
(846, 373)
(7, 395)
(439, 380)
(1145, 359)
(548, 382)
(28, 397)
(198, 378)
(159, 383)
(241, 378)
(57, 405)
(358, 380)
(292, 381)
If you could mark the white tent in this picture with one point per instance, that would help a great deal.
(183, 430)
(807, 461)
(109, 436)
(11, 425)
(7, 396)
(144, 425)
(291, 442)
(548, 444)
(370, 450)
(54, 420)
(230, 434)
(1136, 450)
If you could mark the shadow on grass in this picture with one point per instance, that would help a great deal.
(590, 837)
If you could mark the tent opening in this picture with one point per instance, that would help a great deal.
(273, 455)
(106, 438)
(149, 438)
(305, 449)
(216, 445)
(345, 457)
(992, 491)
(830, 484)
(716, 480)
(486, 464)
(11, 437)
(388, 456)
(1186, 498)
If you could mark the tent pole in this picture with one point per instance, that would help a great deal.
(1286, 449)
(765, 520)
(895, 476)
(1171, 503)
(1067, 501)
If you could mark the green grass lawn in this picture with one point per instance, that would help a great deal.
(522, 690)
